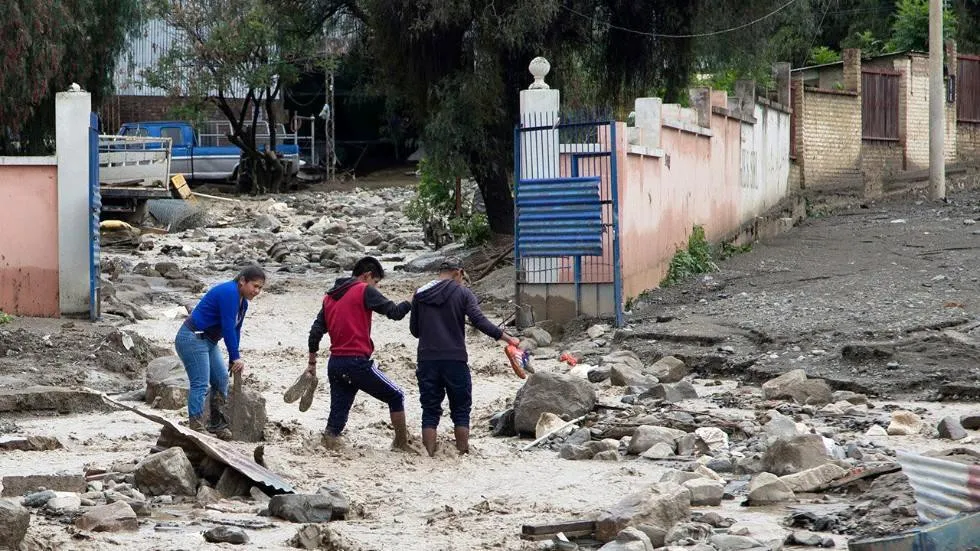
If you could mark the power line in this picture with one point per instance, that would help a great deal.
(696, 35)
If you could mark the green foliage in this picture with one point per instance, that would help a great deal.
(693, 260)
(47, 45)
(474, 229)
(821, 55)
(910, 31)
(435, 200)
(5, 318)
(729, 250)
(866, 42)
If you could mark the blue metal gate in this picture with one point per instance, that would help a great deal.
(95, 207)
(566, 234)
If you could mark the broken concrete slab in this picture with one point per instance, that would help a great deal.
(166, 383)
(669, 370)
(14, 522)
(166, 473)
(29, 443)
(661, 506)
(21, 485)
(50, 398)
(792, 455)
(114, 517)
(566, 396)
(812, 479)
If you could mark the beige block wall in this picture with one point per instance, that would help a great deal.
(832, 139)
(968, 141)
(917, 119)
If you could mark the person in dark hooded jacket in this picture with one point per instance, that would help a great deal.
(439, 312)
(346, 317)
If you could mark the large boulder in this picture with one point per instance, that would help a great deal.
(767, 488)
(705, 492)
(904, 423)
(794, 385)
(624, 375)
(166, 383)
(661, 506)
(166, 473)
(115, 517)
(309, 508)
(14, 522)
(669, 370)
(566, 396)
(792, 455)
(246, 415)
(812, 479)
(644, 437)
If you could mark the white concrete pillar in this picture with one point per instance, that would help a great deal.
(72, 112)
(540, 151)
(648, 121)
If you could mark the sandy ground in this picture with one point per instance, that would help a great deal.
(413, 503)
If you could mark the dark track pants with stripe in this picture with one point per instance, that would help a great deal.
(349, 374)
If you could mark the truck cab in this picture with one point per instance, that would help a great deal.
(207, 155)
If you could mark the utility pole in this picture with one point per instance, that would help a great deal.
(937, 99)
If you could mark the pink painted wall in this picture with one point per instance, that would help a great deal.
(697, 181)
(29, 240)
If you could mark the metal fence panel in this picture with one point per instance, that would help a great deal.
(559, 217)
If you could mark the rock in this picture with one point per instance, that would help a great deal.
(904, 423)
(669, 370)
(626, 357)
(233, 484)
(563, 395)
(780, 426)
(657, 536)
(29, 443)
(792, 455)
(207, 495)
(970, 422)
(704, 471)
(64, 502)
(246, 415)
(38, 499)
(607, 455)
(548, 422)
(803, 537)
(811, 479)
(766, 488)
(166, 473)
(951, 429)
(876, 430)
(579, 437)
(225, 534)
(14, 522)
(671, 392)
(540, 336)
(166, 383)
(115, 517)
(597, 331)
(715, 520)
(321, 536)
(267, 222)
(504, 424)
(660, 506)
(659, 450)
(714, 438)
(630, 539)
(687, 444)
(575, 452)
(645, 436)
(309, 508)
(674, 476)
(599, 374)
(624, 375)
(771, 534)
(704, 492)
(850, 397)
(371, 239)
(686, 533)
(721, 464)
(794, 385)
(728, 542)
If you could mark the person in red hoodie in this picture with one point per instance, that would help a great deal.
(346, 317)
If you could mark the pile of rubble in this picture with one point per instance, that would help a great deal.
(793, 442)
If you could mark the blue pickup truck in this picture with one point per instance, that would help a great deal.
(207, 155)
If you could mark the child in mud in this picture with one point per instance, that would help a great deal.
(439, 312)
(218, 316)
(346, 317)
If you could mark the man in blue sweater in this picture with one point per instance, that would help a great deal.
(438, 320)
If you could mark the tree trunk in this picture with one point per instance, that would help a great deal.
(494, 184)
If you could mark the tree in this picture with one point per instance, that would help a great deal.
(49, 44)
(911, 28)
(252, 46)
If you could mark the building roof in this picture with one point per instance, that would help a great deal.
(872, 58)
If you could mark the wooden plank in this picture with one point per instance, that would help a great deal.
(877, 71)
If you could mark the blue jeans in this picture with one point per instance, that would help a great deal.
(205, 366)
(439, 378)
(347, 376)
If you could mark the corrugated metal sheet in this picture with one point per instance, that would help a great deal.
(960, 533)
(943, 488)
(559, 217)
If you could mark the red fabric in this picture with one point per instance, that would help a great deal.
(349, 323)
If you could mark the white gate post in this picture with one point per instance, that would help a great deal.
(72, 113)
